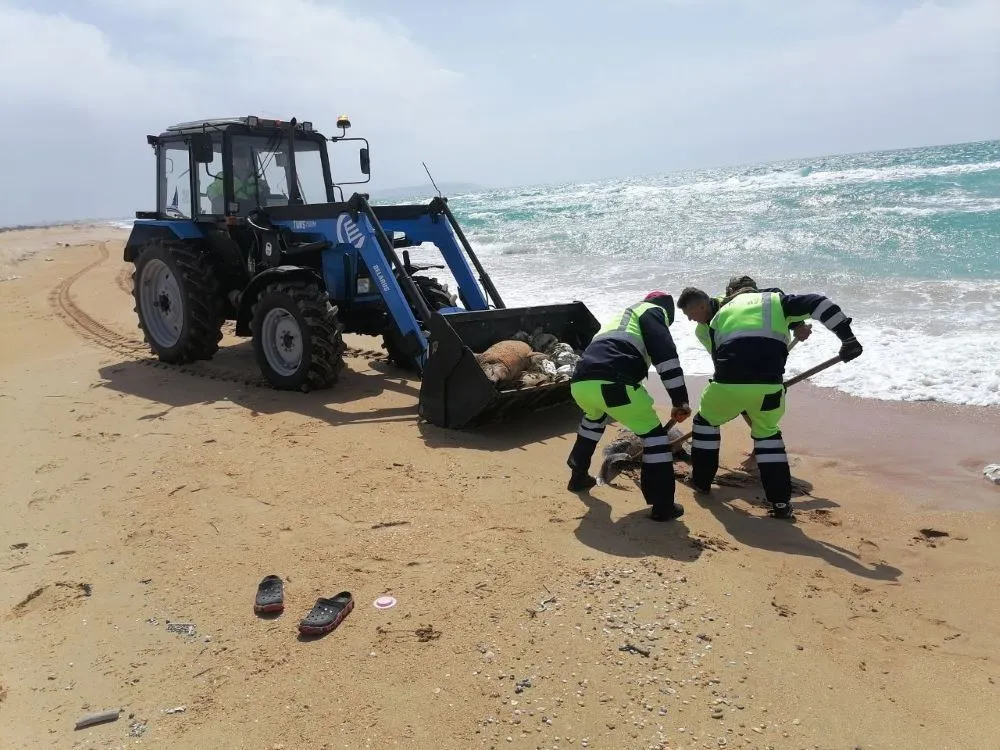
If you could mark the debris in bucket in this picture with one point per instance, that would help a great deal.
(625, 451)
(992, 472)
(528, 360)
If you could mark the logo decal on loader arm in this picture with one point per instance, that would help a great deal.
(348, 232)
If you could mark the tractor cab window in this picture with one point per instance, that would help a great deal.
(309, 170)
(210, 198)
(175, 181)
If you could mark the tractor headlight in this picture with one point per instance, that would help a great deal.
(364, 286)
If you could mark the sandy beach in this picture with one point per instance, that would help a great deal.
(138, 496)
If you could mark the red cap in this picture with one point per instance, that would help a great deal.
(655, 295)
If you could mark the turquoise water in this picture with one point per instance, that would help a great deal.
(907, 241)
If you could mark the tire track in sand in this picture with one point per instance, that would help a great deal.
(124, 281)
(61, 299)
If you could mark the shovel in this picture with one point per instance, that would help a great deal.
(790, 382)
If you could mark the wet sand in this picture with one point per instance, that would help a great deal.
(931, 453)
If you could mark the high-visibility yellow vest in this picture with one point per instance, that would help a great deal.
(241, 188)
(701, 330)
(750, 315)
(626, 328)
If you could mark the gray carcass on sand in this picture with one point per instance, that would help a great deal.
(625, 452)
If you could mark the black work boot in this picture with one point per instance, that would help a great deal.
(781, 510)
(775, 474)
(697, 487)
(579, 462)
(666, 511)
(580, 481)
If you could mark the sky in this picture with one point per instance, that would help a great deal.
(521, 92)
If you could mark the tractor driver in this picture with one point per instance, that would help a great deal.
(245, 182)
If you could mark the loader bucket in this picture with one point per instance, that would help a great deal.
(455, 391)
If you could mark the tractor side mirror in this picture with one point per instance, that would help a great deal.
(201, 148)
(366, 165)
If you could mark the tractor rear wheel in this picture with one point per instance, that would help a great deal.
(436, 297)
(178, 301)
(296, 336)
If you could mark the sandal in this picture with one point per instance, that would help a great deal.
(270, 596)
(327, 614)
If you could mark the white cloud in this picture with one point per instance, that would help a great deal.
(51, 62)
(302, 58)
(80, 100)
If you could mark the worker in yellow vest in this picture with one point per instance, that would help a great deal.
(607, 385)
(799, 329)
(249, 187)
(748, 340)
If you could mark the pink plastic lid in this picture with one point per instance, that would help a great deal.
(384, 602)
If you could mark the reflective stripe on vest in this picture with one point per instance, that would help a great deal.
(627, 328)
(756, 315)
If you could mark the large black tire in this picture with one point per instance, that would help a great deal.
(178, 300)
(436, 297)
(297, 338)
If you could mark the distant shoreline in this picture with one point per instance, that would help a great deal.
(78, 224)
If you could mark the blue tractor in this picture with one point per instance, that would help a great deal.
(250, 227)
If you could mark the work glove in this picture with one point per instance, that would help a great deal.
(850, 349)
(802, 331)
(680, 413)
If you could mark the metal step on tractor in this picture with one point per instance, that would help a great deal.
(250, 227)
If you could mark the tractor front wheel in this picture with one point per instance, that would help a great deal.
(296, 337)
(178, 301)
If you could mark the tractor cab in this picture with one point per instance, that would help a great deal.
(208, 170)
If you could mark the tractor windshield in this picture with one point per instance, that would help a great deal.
(262, 170)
